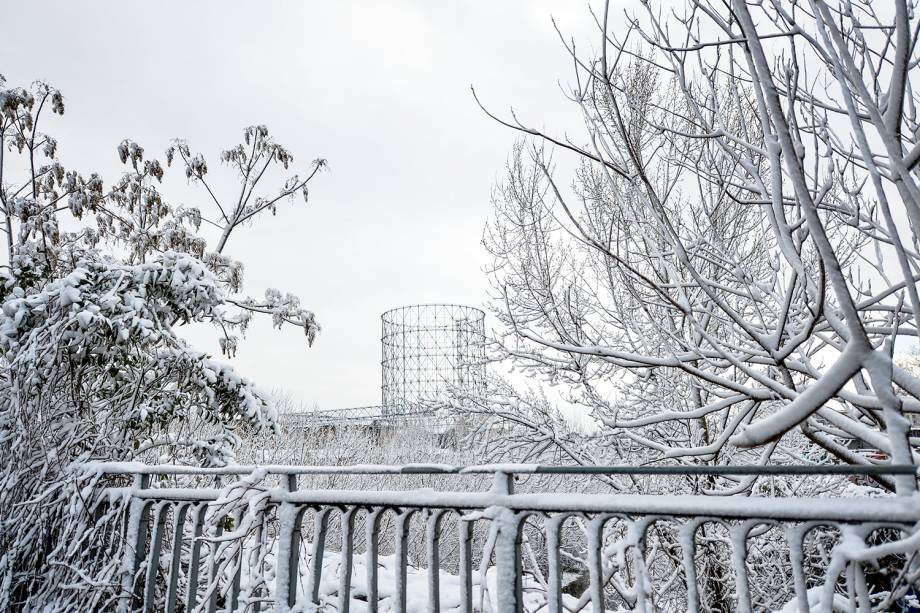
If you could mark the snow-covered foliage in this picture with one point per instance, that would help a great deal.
(726, 275)
(98, 280)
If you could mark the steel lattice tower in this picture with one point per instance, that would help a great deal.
(428, 348)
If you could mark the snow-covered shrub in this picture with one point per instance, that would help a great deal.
(96, 284)
(725, 275)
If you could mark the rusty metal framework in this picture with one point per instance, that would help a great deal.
(427, 350)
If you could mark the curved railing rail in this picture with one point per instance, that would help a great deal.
(264, 542)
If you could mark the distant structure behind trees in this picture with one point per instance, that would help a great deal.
(428, 350)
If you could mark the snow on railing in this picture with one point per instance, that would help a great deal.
(262, 542)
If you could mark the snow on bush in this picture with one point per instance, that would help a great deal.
(727, 272)
(98, 281)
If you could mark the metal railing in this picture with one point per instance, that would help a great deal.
(270, 544)
(372, 415)
(329, 417)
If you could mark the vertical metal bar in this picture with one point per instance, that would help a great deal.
(346, 559)
(289, 537)
(153, 560)
(596, 562)
(795, 538)
(465, 528)
(172, 589)
(503, 484)
(639, 530)
(320, 525)
(214, 579)
(402, 558)
(554, 587)
(857, 575)
(286, 516)
(104, 544)
(255, 562)
(373, 535)
(433, 552)
(508, 561)
(851, 587)
(233, 599)
(286, 571)
(508, 552)
(194, 564)
(687, 537)
(739, 558)
(133, 555)
(862, 589)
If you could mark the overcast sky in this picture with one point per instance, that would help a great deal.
(380, 89)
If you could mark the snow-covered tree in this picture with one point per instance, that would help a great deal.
(98, 280)
(726, 275)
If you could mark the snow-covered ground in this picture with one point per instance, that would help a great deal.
(416, 589)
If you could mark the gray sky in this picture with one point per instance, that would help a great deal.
(380, 89)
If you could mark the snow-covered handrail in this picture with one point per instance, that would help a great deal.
(511, 551)
(131, 468)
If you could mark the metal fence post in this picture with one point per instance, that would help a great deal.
(233, 595)
(465, 529)
(286, 573)
(508, 562)
(433, 554)
(153, 562)
(738, 535)
(346, 559)
(553, 525)
(213, 573)
(372, 529)
(317, 551)
(136, 541)
(688, 556)
(176, 551)
(596, 563)
(401, 555)
(508, 549)
(194, 564)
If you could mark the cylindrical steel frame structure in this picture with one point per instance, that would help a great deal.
(427, 349)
